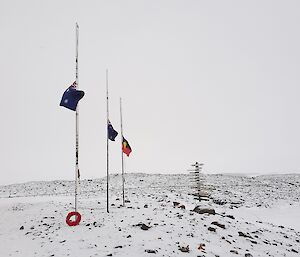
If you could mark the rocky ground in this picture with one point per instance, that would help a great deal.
(161, 217)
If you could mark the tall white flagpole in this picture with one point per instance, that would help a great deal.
(107, 143)
(77, 120)
(123, 179)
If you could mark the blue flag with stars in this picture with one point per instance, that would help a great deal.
(71, 97)
(111, 133)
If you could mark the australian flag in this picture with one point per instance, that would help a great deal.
(71, 97)
(111, 133)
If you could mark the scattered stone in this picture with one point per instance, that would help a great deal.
(248, 255)
(142, 226)
(22, 227)
(62, 241)
(150, 251)
(110, 254)
(179, 216)
(119, 246)
(211, 229)
(219, 202)
(230, 216)
(146, 206)
(244, 235)
(201, 247)
(200, 210)
(294, 251)
(234, 251)
(175, 204)
(218, 224)
(128, 236)
(184, 249)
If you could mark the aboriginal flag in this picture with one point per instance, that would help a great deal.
(126, 147)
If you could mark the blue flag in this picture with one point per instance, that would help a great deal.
(111, 133)
(71, 97)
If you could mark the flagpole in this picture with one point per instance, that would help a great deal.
(107, 143)
(77, 120)
(123, 179)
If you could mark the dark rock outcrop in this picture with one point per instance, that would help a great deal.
(200, 210)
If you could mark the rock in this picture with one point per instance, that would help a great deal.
(200, 210)
(234, 251)
(211, 229)
(22, 227)
(201, 247)
(144, 227)
(175, 204)
(184, 249)
(110, 254)
(218, 224)
(146, 206)
(244, 235)
(219, 202)
(230, 216)
(150, 251)
(128, 236)
(248, 255)
(294, 251)
(119, 246)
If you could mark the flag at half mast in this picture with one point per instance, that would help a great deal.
(126, 147)
(111, 133)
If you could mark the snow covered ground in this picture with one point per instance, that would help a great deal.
(255, 216)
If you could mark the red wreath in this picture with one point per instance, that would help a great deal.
(77, 218)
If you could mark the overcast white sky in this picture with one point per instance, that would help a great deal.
(209, 81)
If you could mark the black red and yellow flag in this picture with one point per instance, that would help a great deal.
(126, 147)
